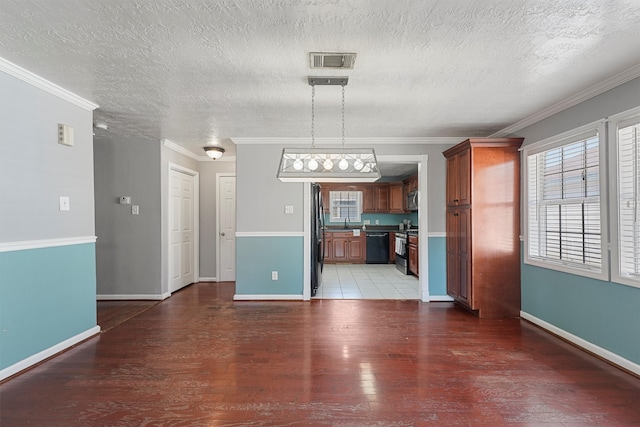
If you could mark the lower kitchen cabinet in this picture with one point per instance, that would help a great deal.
(345, 247)
(458, 256)
(392, 247)
(412, 249)
(328, 247)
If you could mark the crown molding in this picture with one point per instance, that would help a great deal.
(354, 141)
(41, 83)
(180, 149)
(574, 100)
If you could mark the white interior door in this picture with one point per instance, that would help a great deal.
(181, 231)
(227, 228)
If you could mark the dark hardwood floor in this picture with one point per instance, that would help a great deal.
(201, 359)
(113, 313)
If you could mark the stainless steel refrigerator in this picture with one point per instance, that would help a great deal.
(317, 238)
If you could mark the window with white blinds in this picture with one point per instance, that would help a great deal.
(627, 230)
(345, 206)
(564, 216)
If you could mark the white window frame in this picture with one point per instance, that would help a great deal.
(357, 198)
(560, 140)
(617, 122)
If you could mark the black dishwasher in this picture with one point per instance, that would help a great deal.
(377, 247)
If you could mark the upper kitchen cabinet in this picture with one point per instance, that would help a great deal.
(376, 198)
(459, 178)
(483, 225)
(410, 184)
(396, 198)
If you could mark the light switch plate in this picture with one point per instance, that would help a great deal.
(135, 210)
(65, 203)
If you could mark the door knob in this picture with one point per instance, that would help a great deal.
(222, 234)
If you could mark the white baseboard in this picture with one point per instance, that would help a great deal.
(208, 279)
(237, 297)
(128, 297)
(440, 298)
(584, 344)
(44, 354)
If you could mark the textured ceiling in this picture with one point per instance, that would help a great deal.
(192, 71)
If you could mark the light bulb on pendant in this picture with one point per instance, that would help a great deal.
(313, 165)
(358, 164)
(297, 165)
(343, 165)
(328, 164)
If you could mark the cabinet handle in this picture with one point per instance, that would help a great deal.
(456, 214)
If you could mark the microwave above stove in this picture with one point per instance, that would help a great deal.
(413, 200)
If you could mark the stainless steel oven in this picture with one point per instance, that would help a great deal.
(402, 263)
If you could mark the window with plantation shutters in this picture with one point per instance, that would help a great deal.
(564, 215)
(627, 249)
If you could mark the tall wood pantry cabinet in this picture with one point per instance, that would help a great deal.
(483, 225)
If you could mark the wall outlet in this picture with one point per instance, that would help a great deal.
(274, 275)
(288, 209)
(377, 222)
(125, 200)
(367, 222)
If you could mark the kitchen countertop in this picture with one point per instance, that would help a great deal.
(370, 228)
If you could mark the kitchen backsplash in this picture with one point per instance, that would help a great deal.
(384, 219)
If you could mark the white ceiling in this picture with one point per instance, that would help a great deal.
(199, 71)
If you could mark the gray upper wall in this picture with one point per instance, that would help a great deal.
(35, 170)
(128, 246)
(616, 100)
(261, 197)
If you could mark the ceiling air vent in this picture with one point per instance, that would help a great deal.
(332, 60)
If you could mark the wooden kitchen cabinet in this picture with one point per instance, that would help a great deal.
(376, 198)
(324, 192)
(458, 259)
(347, 248)
(458, 179)
(392, 247)
(411, 183)
(412, 250)
(483, 225)
(327, 247)
(396, 198)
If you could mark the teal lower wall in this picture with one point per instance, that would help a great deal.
(47, 296)
(257, 257)
(437, 266)
(604, 313)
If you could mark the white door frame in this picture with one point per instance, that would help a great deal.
(423, 231)
(218, 255)
(423, 214)
(196, 217)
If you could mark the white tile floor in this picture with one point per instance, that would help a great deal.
(366, 281)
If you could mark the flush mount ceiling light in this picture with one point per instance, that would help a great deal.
(214, 152)
(328, 164)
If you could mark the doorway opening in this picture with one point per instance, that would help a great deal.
(358, 278)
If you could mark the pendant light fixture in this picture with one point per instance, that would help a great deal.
(328, 164)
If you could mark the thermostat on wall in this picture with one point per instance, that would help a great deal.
(125, 200)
